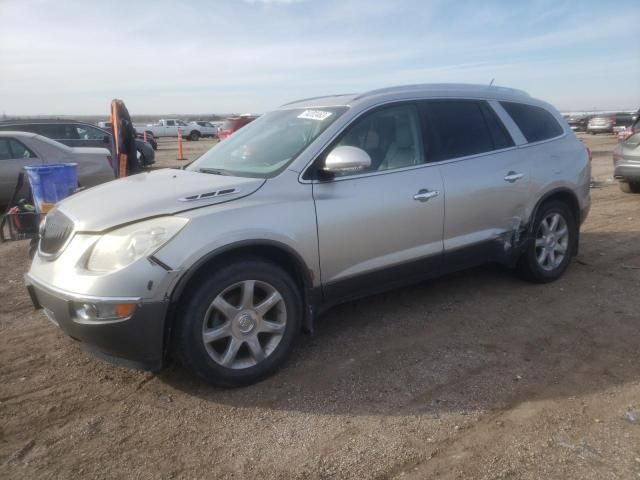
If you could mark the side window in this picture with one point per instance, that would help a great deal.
(458, 129)
(86, 132)
(12, 149)
(20, 150)
(5, 152)
(535, 123)
(171, 123)
(499, 134)
(391, 137)
(55, 131)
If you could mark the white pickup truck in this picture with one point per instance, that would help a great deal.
(170, 128)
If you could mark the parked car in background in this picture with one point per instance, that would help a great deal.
(150, 139)
(578, 123)
(76, 134)
(233, 124)
(146, 150)
(609, 123)
(20, 149)
(207, 129)
(170, 128)
(626, 160)
(316, 203)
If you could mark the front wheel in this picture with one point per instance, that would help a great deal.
(630, 187)
(553, 242)
(240, 323)
(194, 136)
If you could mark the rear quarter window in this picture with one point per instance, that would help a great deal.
(535, 123)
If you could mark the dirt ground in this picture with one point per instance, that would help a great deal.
(475, 375)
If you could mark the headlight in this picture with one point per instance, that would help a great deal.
(121, 247)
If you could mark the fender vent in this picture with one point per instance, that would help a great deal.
(202, 196)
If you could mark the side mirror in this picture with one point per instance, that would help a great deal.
(346, 159)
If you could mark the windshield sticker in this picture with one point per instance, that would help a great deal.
(315, 115)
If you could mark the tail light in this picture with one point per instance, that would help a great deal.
(616, 158)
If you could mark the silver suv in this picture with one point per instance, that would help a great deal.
(223, 263)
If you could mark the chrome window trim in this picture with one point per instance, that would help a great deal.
(414, 167)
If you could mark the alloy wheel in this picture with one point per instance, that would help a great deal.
(244, 324)
(552, 241)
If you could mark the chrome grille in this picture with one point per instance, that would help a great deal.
(55, 233)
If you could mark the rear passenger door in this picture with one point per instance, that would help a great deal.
(485, 178)
(14, 156)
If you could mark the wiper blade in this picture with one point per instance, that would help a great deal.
(214, 171)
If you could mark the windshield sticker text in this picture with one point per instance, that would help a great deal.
(315, 115)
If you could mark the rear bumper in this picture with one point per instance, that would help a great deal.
(600, 129)
(627, 171)
(135, 342)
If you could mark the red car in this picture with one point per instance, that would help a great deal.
(232, 124)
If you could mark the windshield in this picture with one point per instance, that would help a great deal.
(267, 145)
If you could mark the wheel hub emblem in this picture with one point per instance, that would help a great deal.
(245, 322)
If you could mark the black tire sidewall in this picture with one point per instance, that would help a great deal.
(533, 270)
(195, 136)
(189, 345)
(630, 187)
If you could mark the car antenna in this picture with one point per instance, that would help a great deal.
(491, 82)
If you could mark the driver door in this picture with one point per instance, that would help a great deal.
(381, 227)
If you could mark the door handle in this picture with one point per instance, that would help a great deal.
(424, 195)
(513, 176)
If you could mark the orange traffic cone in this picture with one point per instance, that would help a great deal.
(180, 152)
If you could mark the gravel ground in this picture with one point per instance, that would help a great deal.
(475, 375)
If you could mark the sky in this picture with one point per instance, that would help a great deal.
(164, 56)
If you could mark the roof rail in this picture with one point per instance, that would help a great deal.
(317, 98)
(442, 86)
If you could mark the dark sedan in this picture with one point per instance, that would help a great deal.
(76, 134)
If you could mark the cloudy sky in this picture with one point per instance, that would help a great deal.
(164, 56)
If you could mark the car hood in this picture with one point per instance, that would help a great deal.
(161, 192)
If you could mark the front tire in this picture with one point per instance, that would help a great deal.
(240, 323)
(630, 187)
(194, 136)
(553, 243)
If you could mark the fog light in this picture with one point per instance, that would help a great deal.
(104, 311)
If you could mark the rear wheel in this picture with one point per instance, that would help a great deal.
(549, 252)
(240, 323)
(630, 187)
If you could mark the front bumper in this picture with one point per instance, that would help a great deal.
(137, 341)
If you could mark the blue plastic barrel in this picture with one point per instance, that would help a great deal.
(51, 183)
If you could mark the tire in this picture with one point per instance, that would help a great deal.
(194, 136)
(529, 266)
(215, 361)
(630, 187)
